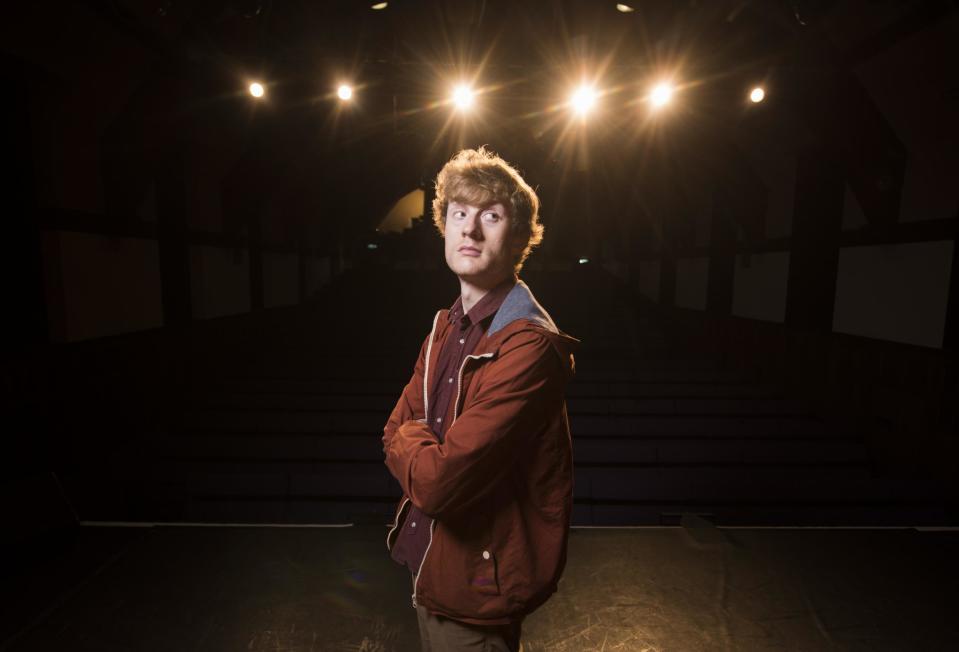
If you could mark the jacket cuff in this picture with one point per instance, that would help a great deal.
(410, 436)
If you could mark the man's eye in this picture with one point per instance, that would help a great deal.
(491, 217)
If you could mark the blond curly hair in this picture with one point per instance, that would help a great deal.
(479, 177)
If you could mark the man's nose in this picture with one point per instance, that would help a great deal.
(471, 226)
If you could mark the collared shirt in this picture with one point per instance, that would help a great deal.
(466, 330)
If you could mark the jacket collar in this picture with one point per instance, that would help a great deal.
(520, 304)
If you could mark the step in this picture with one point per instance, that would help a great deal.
(340, 421)
(703, 426)
(653, 450)
(685, 406)
(251, 479)
(735, 483)
(295, 402)
(267, 446)
(580, 388)
(293, 386)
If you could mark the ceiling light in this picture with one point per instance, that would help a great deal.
(583, 99)
(463, 96)
(661, 95)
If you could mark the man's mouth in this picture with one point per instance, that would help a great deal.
(469, 251)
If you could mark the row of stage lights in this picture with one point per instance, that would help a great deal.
(581, 100)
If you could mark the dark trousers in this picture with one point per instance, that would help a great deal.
(441, 634)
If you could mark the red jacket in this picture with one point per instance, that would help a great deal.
(500, 486)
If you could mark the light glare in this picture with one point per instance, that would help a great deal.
(583, 99)
(344, 92)
(661, 95)
(463, 96)
(757, 95)
(624, 9)
(378, 6)
(257, 90)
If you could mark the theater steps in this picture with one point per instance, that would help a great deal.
(285, 426)
(652, 440)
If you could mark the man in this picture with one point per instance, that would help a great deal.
(479, 439)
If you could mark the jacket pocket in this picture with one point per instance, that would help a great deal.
(483, 575)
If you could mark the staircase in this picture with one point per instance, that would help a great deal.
(286, 428)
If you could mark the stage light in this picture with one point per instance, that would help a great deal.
(757, 95)
(624, 9)
(583, 99)
(661, 95)
(257, 90)
(378, 6)
(463, 97)
(344, 92)
(583, 261)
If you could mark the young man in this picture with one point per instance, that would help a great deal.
(479, 440)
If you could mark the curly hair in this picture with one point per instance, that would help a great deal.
(479, 177)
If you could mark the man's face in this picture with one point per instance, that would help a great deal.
(479, 248)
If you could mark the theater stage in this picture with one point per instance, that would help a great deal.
(211, 588)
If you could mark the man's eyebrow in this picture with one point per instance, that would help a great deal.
(501, 207)
(496, 202)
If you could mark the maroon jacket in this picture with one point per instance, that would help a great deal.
(500, 484)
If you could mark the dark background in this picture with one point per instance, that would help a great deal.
(208, 318)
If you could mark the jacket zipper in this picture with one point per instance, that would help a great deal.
(459, 381)
(423, 561)
(426, 416)
(459, 387)
(396, 522)
(426, 369)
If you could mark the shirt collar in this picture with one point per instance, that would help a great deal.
(485, 307)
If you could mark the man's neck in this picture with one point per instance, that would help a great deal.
(471, 293)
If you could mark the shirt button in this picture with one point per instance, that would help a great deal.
(462, 341)
(439, 419)
(451, 380)
(413, 524)
(486, 554)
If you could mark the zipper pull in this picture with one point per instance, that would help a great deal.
(414, 601)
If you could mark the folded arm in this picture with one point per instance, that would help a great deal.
(509, 409)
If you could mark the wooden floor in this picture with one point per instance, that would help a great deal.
(212, 589)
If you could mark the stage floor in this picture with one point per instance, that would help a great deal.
(212, 589)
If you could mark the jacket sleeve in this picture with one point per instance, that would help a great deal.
(410, 404)
(511, 407)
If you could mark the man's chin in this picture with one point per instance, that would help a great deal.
(484, 279)
(467, 272)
